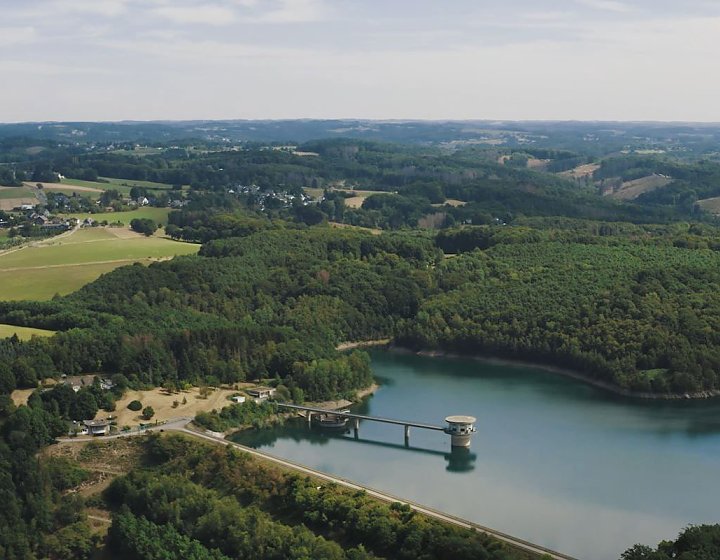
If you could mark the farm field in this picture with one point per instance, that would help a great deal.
(61, 266)
(23, 333)
(162, 403)
(711, 205)
(12, 197)
(581, 171)
(160, 215)
(68, 189)
(630, 190)
(123, 186)
(15, 192)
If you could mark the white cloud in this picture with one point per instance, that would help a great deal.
(17, 36)
(207, 15)
(106, 8)
(293, 11)
(606, 5)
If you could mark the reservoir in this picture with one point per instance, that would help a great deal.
(554, 461)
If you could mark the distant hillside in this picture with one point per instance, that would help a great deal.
(597, 138)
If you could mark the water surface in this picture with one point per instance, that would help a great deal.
(554, 461)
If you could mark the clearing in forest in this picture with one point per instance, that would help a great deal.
(711, 205)
(23, 333)
(630, 190)
(162, 403)
(581, 171)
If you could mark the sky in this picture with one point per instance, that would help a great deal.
(107, 60)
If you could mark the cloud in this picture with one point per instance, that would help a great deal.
(17, 36)
(207, 15)
(606, 5)
(292, 11)
(107, 8)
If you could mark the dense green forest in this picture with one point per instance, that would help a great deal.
(633, 306)
(701, 542)
(221, 502)
(480, 254)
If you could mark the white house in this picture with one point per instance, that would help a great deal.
(238, 399)
(261, 393)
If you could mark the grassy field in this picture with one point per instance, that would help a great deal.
(61, 266)
(123, 186)
(711, 205)
(160, 215)
(15, 192)
(581, 171)
(24, 333)
(630, 190)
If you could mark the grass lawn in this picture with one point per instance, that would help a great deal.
(62, 266)
(24, 333)
(158, 214)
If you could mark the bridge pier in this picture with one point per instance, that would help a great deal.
(459, 428)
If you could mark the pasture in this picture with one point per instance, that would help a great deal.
(15, 192)
(61, 266)
(581, 171)
(630, 190)
(711, 205)
(123, 186)
(12, 197)
(23, 333)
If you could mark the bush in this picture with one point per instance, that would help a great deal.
(148, 413)
(135, 405)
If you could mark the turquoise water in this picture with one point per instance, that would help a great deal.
(554, 461)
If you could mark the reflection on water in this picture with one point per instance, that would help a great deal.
(555, 461)
(459, 459)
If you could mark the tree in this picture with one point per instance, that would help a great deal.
(7, 379)
(84, 407)
(145, 226)
(148, 412)
(134, 405)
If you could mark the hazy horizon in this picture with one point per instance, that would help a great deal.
(548, 60)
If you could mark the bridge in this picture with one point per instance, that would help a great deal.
(460, 428)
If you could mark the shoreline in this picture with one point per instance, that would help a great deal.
(363, 344)
(698, 395)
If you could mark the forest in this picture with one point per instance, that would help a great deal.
(524, 263)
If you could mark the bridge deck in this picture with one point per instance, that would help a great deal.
(363, 417)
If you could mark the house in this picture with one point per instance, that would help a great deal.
(238, 399)
(98, 427)
(106, 384)
(261, 393)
